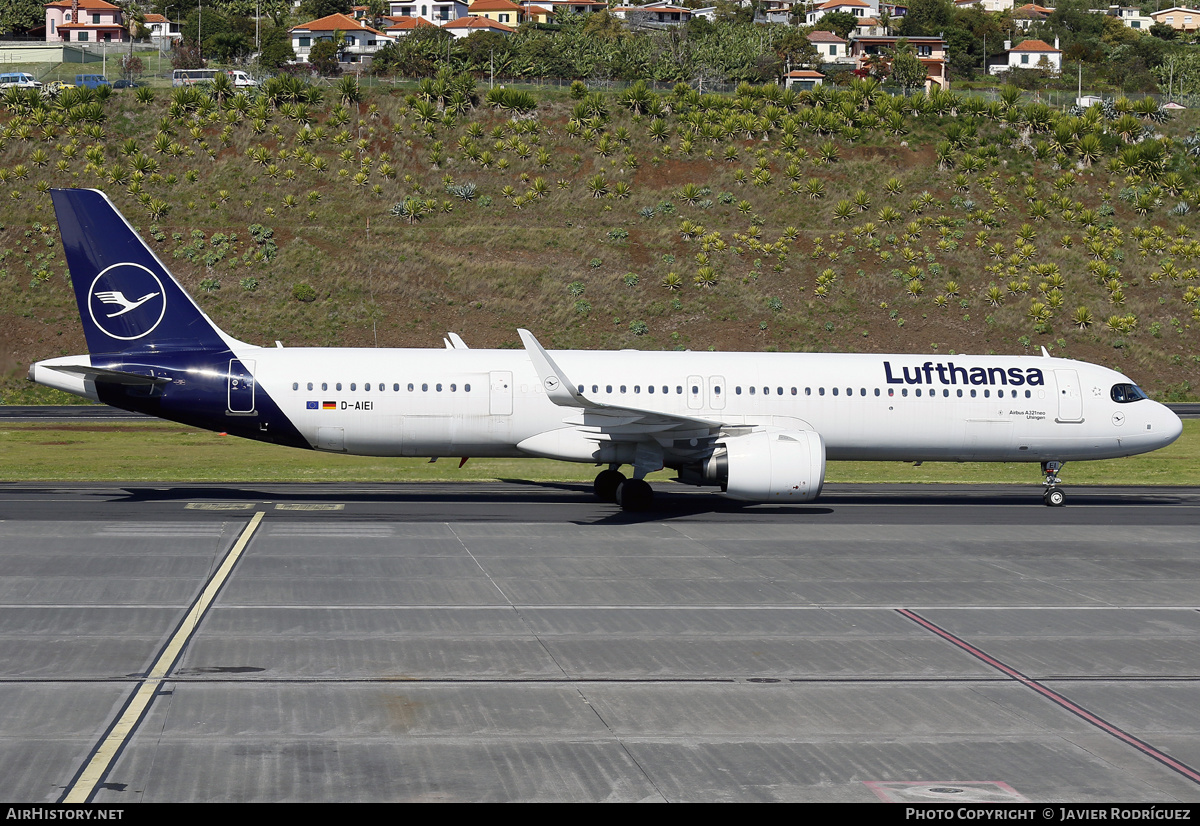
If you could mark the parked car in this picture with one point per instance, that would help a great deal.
(91, 81)
(56, 86)
(126, 84)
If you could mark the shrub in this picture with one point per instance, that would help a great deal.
(303, 292)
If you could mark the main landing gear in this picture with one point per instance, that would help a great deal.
(1053, 496)
(611, 485)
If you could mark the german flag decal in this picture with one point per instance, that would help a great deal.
(329, 405)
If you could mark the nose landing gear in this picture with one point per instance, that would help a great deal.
(1053, 496)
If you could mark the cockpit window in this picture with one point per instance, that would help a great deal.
(1125, 393)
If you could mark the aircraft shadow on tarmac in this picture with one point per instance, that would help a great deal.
(671, 501)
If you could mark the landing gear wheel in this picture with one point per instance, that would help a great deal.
(1054, 498)
(635, 495)
(606, 484)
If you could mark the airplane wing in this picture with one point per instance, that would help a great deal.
(656, 433)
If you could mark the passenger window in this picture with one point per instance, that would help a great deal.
(310, 385)
(338, 386)
(918, 392)
(1027, 394)
(679, 390)
(820, 391)
(366, 387)
(946, 393)
(410, 387)
(876, 391)
(454, 388)
(439, 387)
(752, 389)
(778, 391)
(987, 394)
(295, 385)
(424, 388)
(608, 388)
(324, 386)
(466, 388)
(695, 390)
(808, 391)
(637, 388)
(650, 388)
(793, 391)
(737, 391)
(891, 392)
(972, 392)
(595, 388)
(395, 388)
(835, 391)
(353, 385)
(716, 390)
(622, 389)
(904, 392)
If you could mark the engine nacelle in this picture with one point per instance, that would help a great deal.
(774, 466)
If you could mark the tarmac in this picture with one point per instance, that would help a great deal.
(523, 642)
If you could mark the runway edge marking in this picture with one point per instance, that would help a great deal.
(93, 772)
(1056, 698)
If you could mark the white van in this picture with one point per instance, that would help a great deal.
(241, 79)
(22, 80)
(189, 77)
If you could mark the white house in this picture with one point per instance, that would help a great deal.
(1032, 54)
(803, 79)
(437, 12)
(1132, 17)
(830, 47)
(359, 42)
(662, 14)
(856, 7)
(162, 31)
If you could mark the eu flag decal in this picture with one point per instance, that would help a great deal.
(311, 406)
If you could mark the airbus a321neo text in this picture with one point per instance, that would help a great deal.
(758, 425)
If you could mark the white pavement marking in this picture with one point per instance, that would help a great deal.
(85, 785)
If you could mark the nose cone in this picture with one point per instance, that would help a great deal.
(1171, 427)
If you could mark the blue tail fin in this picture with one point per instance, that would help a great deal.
(128, 300)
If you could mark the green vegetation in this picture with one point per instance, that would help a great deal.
(837, 219)
(165, 452)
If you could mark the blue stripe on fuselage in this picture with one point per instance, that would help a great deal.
(197, 395)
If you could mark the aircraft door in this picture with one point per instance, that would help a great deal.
(716, 392)
(241, 387)
(695, 391)
(1070, 400)
(500, 402)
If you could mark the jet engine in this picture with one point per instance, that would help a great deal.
(765, 466)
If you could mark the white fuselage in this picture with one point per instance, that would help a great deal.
(872, 407)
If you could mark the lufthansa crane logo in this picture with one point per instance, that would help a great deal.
(127, 301)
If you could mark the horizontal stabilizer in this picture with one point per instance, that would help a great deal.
(102, 375)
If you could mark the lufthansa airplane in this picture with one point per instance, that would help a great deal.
(758, 425)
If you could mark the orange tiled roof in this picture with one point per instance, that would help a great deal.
(334, 23)
(85, 4)
(477, 23)
(1034, 46)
